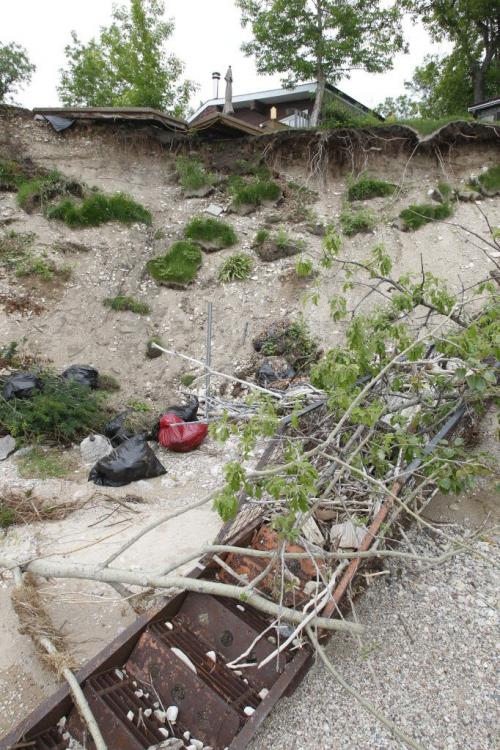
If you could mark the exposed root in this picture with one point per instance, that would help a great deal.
(25, 506)
(35, 622)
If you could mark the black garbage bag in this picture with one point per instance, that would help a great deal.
(187, 412)
(82, 374)
(131, 461)
(116, 431)
(22, 385)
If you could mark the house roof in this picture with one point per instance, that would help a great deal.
(277, 96)
(484, 105)
(221, 125)
(134, 114)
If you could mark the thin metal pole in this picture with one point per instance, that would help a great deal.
(208, 357)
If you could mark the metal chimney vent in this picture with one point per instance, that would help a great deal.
(216, 79)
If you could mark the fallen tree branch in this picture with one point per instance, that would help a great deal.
(393, 728)
(198, 585)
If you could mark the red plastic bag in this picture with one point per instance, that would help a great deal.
(176, 435)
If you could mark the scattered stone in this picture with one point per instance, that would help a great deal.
(273, 369)
(199, 192)
(214, 209)
(7, 446)
(270, 250)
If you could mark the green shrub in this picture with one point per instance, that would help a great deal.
(490, 180)
(11, 174)
(151, 351)
(43, 464)
(292, 341)
(282, 239)
(253, 193)
(121, 303)
(192, 173)
(138, 405)
(365, 188)
(39, 190)
(98, 209)
(63, 412)
(179, 266)
(237, 267)
(354, 222)
(201, 229)
(416, 215)
(338, 115)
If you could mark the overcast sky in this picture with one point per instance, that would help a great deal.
(207, 37)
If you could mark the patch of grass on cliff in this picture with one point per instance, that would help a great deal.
(365, 188)
(192, 173)
(253, 193)
(236, 268)
(490, 180)
(417, 215)
(179, 266)
(122, 303)
(355, 222)
(209, 229)
(98, 209)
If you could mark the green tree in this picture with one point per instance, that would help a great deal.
(15, 69)
(473, 27)
(321, 40)
(128, 65)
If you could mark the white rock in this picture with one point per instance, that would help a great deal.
(182, 656)
(160, 715)
(248, 711)
(212, 655)
(95, 447)
(263, 693)
(130, 716)
(172, 714)
(7, 446)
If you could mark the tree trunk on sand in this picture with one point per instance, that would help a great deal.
(478, 83)
(318, 103)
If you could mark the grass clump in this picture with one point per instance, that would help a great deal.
(292, 341)
(107, 383)
(253, 193)
(213, 231)
(354, 222)
(187, 379)
(426, 126)
(490, 180)
(304, 268)
(446, 191)
(39, 190)
(151, 351)
(236, 268)
(416, 215)
(192, 173)
(262, 236)
(179, 266)
(138, 405)
(122, 303)
(254, 168)
(98, 209)
(17, 256)
(11, 174)
(43, 464)
(62, 412)
(365, 188)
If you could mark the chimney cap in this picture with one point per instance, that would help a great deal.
(216, 75)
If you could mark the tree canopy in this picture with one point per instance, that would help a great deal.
(127, 65)
(473, 27)
(15, 69)
(321, 40)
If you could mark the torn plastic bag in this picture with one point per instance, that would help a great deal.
(187, 412)
(178, 436)
(22, 385)
(82, 374)
(116, 431)
(131, 461)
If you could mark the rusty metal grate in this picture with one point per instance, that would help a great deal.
(49, 740)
